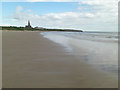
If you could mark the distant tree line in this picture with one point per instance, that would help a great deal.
(34, 29)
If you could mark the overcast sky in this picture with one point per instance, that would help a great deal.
(88, 15)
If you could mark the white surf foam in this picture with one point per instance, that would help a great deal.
(100, 49)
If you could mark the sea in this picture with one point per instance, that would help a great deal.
(99, 49)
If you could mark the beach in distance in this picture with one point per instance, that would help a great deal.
(59, 60)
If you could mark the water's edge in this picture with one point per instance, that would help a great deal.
(100, 49)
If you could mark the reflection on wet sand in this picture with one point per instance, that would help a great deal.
(31, 61)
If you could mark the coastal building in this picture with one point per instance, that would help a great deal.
(28, 26)
(39, 28)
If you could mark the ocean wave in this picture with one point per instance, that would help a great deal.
(100, 49)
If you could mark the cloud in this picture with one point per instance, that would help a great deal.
(101, 6)
(90, 2)
(19, 9)
(52, 0)
(5, 24)
(29, 10)
(93, 15)
(40, 0)
(104, 10)
(58, 20)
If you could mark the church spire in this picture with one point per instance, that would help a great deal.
(28, 26)
(29, 23)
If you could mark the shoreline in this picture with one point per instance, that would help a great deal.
(32, 61)
(91, 53)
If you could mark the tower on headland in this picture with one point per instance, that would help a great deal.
(28, 26)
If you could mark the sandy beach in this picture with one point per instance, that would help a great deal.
(32, 61)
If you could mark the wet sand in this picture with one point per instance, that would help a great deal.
(31, 61)
(0, 58)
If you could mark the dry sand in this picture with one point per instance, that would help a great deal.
(31, 61)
